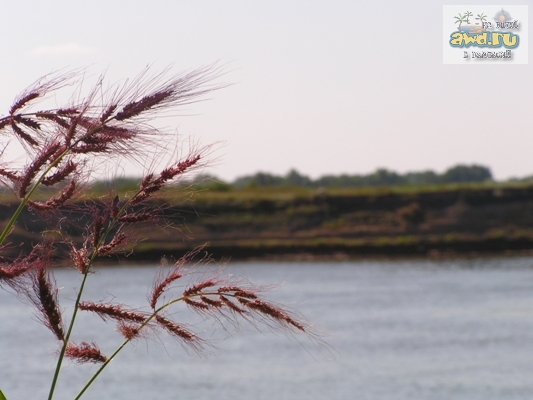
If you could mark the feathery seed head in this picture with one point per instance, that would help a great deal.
(112, 311)
(129, 331)
(85, 352)
(119, 239)
(22, 101)
(44, 297)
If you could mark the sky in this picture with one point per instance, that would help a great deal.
(323, 87)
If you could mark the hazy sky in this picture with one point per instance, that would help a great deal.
(323, 87)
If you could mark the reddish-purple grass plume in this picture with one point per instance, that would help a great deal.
(62, 145)
(85, 353)
(112, 311)
(45, 300)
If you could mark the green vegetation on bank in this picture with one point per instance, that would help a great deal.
(459, 174)
(381, 177)
(332, 222)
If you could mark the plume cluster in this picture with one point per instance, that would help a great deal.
(60, 144)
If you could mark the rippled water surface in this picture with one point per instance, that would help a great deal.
(398, 330)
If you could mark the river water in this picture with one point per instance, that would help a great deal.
(458, 329)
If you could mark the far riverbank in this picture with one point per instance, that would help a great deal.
(322, 224)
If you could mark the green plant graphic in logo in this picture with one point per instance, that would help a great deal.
(460, 19)
(467, 15)
(478, 29)
(465, 18)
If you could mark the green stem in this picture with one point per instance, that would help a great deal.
(67, 337)
(125, 342)
(90, 381)
(111, 225)
(75, 311)
(12, 221)
(6, 232)
(119, 348)
(16, 214)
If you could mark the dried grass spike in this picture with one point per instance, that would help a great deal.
(237, 291)
(114, 207)
(80, 258)
(67, 111)
(117, 240)
(85, 352)
(55, 202)
(179, 168)
(274, 313)
(228, 303)
(23, 101)
(90, 148)
(147, 102)
(129, 331)
(12, 274)
(136, 217)
(71, 131)
(46, 302)
(162, 284)
(30, 123)
(53, 117)
(112, 311)
(199, 287)
(12, 176)
(196, 304)
(60, 175)
(211, 302)
(97, 229)
(107, 113)
(175, 329)
(23, 135)
(162, 281)
(4, 122)
(46, 155)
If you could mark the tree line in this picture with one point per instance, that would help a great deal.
(381, 177)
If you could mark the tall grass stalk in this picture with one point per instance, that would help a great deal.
(60, 145)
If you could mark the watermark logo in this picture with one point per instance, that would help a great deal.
(485, 34)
